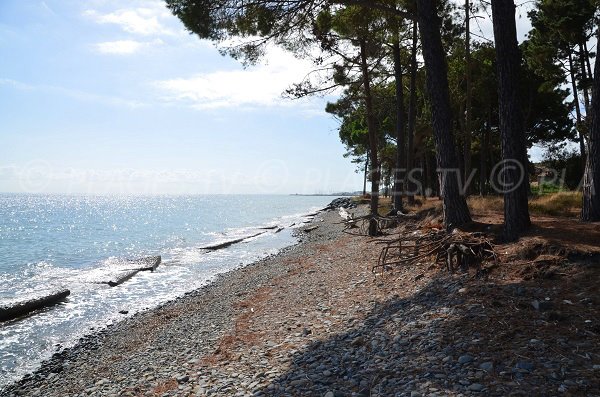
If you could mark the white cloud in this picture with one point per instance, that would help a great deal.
(141, 21)
(260, 85)
(124, 47)
(119, 47)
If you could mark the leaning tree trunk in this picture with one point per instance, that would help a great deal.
(412, 115)
(512, 131)
(375, 171)
(577, 106)
(591, 184)
(398, 174)
(456, 212)
(584, 81)
(365, 175)
(587, 61)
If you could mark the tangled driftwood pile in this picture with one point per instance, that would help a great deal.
(422, 238)
(454, 250)
(359, 226)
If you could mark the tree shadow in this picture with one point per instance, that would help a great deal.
(459, 336)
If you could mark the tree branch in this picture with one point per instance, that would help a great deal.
(376, 6)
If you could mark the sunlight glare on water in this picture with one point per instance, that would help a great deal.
(79, 242)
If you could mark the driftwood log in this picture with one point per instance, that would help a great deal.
(18, 309)
(229, 243)
(359, 226)
(138, 265)
(147, 264)
(120, 278)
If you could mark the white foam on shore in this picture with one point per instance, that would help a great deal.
(26, 343)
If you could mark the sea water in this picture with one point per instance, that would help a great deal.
(48, 242)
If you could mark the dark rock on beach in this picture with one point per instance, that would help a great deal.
(342, 202)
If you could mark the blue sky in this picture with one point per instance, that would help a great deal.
(113, 96)
(107, 96)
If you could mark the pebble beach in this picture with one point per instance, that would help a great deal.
(315, 321)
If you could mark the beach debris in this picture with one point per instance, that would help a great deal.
(120, 278)
(149, 263)
(361, 224)
(133, 267)
(310, 229)
(229, 243)
(454, 250)
(18, 309)
(345, 214)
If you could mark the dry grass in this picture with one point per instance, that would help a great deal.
(421, 204)
(556, 204)
(481, 205)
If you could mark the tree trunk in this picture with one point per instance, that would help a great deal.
(376, 173)
(412, 112)
(577, 107)
(484, 157)
(587, 61)
(426, 174)
(590, 211)
(456, 212)
(366, 173)
(512, 131)
(468, 138)
(400, 121)
(584, 82)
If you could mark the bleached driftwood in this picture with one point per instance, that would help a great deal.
(147, 264)
(14, 310)
(134, 267)
(120, 278)
(229, 243)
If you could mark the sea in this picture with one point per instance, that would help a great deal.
(49, 242)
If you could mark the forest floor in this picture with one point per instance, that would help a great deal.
(316, 321)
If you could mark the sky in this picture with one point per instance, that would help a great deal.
(115, 97)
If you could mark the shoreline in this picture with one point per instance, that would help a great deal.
(314, 320)
(95, 340)
(31, 340)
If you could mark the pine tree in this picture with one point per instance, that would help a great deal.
(514, 146)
